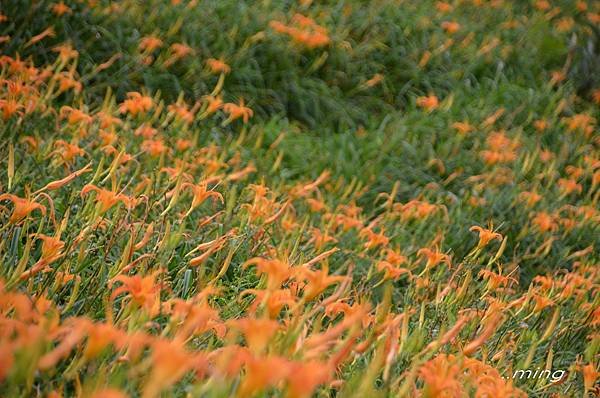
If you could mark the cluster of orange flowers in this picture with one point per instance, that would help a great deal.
(451, 376)
(303, 30)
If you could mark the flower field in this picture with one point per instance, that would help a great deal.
(278, 198)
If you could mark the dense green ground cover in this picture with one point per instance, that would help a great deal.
(413, 122)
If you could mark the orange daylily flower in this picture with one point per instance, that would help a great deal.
(303, 190)
(443, 6)
(347, 222)
(590, 375)
(229, 360)
(143, 290)
(99, 336)
(317, 281)
(540, 125)
(392, 271)
(501, 149)
(154, 148)
(575, 172)
(462, 127)
(120, 157)
(213, 104)
(496, 280)
(441, 378)
(261, 373)
(581, 5)
(448, 376)
(489, 327)
(107, 120)
(428, 103)
(277, 271)
(545, 222)
(374, 239)
(542, 5)
(200, 194)
(450, 26)
(218, 66)
(145, 238)
(530, 198)
(136, 103)
(170, 362)
(174, 173)
(305, 377)
(395, 257)
(289, 223)
(107, 199)
(541, 302)
(303, 30)
(66, 52)
(107, 139)
(316, 205)
(339, 307)
(181, 50)
(433, 257)
(569, 186)
(66, 81)
(260, 190)
(60, 9)
(109, 393)
(145, 131)
(257, 332)
(546, 283)
(182, 144)
(485, 235)
(316, 343)
(75, 333)
(52, 248)
(557, 76)
(196, 316)
(22, 207)
(68, 152)
(351, 210)
(303, 20)
(564, 24)
(237, 111)
(182, 112)
(274, 300)
(75, 116)
(320, 239)
(582, 122)
(10, 107)
(596, 96)
(150, 43)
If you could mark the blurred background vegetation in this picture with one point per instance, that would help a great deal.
(410, 47)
